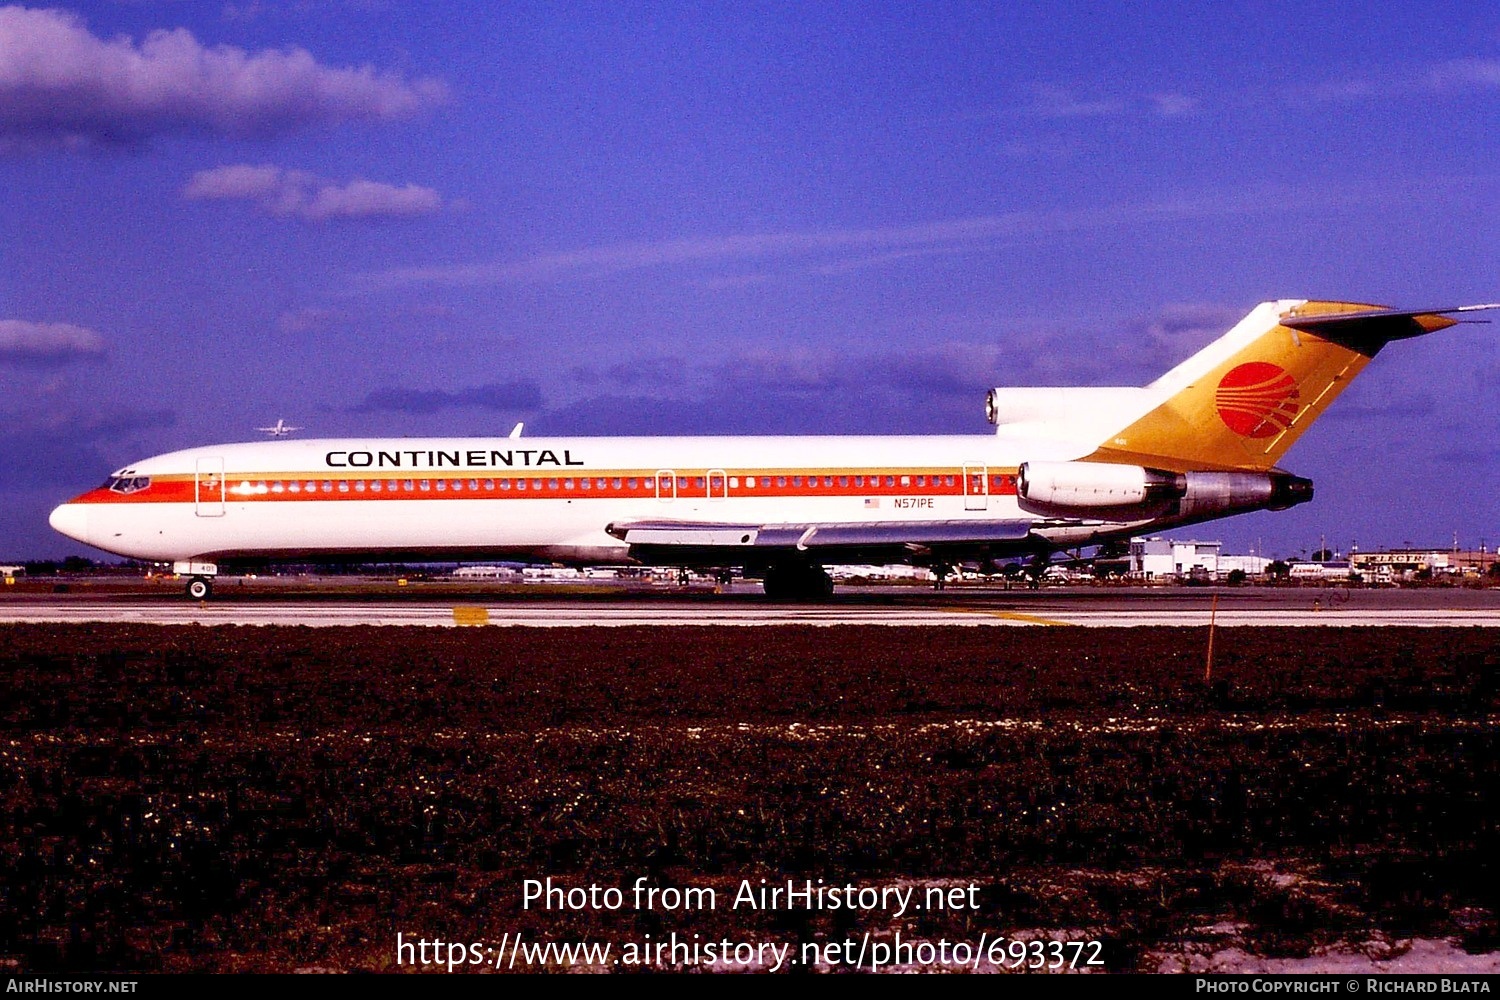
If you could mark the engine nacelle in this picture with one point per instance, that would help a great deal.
(1102, 491)
(1097, 490)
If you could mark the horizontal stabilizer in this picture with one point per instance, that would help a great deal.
(1372, 327)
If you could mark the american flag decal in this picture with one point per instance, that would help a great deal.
(872, 502)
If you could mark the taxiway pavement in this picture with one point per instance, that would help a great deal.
(574, 614)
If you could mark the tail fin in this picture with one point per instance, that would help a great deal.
(1241, 402)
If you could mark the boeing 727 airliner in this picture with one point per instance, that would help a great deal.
(1066, 468)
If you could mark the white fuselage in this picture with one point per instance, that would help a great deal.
(549, 498)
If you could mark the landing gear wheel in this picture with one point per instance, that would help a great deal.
(798, 583)
(199, 588)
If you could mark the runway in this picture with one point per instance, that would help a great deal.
(575, 614)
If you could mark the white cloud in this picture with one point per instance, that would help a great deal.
(1465, 74)
(829, 251)
(63, 87)
(1173, 105)
(1053, 101)
(303, 195)
(23, 342)
(309, 319)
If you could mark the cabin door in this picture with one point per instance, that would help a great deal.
(976, 486)
(666, 485)
(718, 484)
(208, 487)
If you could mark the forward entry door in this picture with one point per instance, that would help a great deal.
(208, 487)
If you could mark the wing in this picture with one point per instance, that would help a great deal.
(826, 542)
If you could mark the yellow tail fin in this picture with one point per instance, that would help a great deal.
(1241, 402)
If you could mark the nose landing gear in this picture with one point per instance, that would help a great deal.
(200, 588)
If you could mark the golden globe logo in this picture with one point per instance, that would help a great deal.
(1257, 399)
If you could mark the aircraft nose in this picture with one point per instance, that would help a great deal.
(71, 519)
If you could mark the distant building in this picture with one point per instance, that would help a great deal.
(896, 572)
(1251, 566)
(1333, 570)
(1170, 558)
(483, 572)
(1395, 565)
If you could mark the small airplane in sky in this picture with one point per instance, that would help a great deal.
(280, 429)
(1065, 468)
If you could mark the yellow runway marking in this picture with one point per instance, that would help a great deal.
(1013, 616)
(466, 614)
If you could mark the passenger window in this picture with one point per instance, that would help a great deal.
(921, 480)
(947, 480)
(489, 484)
(359, 487)
(631, 483)
(844, 481)
(906, 480)
(343, 486)
(567, 484)
(294, 487)
(552, 484)
(734, 482)
(796, 480)
(617, 484)
(650, 483)
(749, 482)
(424, 485)
(521, 483)
(442, 484)
(505, 484)
(587, 484)
(859, 481)
(781, 481)
(699, 483)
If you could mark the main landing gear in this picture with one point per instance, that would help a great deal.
(798, 582)
(200, 588)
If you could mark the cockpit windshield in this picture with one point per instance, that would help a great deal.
(127, 484)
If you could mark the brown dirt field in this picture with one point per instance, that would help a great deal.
(231, 798)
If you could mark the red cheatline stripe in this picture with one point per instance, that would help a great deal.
(183, 489)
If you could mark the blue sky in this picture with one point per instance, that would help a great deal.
(375, 218)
